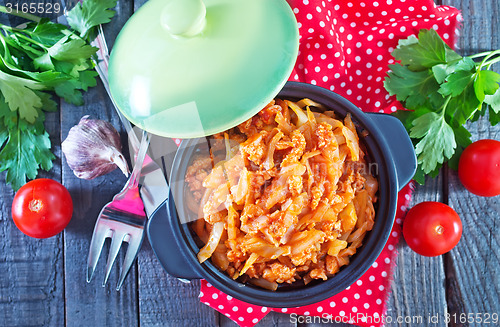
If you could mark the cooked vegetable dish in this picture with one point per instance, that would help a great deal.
(291, 198)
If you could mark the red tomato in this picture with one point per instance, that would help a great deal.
(479, 168)
(432, 228)
(42, 208)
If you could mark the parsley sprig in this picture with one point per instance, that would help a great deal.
(442, 91)
(36, 61)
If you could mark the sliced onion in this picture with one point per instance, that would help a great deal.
(214, 239)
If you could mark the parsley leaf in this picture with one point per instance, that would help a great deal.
(410, 86)
(36, 61)
(69, 92)
(90, 13)
(74, 51)
(47, 103)
(24, 153)
(462, 107)
(494, 117)
(44, 62)
(46, 33)
(26, 147)
(427, 51)
(87, 79)
(493, 101)
(19, 95)
(442, 71)
(456, 83)
(486, 83)
(462, 136)
(443, 91)
(465, 64)
(437, 140)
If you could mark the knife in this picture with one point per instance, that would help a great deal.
(154, 189)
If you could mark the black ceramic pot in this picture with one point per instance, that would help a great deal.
(387, 144)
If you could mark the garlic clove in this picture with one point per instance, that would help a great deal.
(93, 148)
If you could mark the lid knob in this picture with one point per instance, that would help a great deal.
(183, 17)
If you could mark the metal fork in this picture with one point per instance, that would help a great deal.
(123, 220)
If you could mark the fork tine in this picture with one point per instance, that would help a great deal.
(96, 244)
(134, 244)
(114, 248)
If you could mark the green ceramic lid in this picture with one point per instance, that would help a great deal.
(191, 68)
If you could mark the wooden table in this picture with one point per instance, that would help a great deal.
(42, 282)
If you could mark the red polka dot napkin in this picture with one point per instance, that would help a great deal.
(345, 46)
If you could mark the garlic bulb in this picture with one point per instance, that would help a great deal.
(93, 148)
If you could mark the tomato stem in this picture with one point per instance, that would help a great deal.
(35, 205)
(439, 229)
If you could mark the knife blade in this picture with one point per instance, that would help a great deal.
(154, 186)
(162, 150)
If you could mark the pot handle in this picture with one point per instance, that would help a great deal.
(400, 146)
(165, 246)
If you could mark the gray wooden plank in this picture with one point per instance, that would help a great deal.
(163, 300)
(476, 36)
(124, 9)
(31, 286)
(473, 284)
(417, 290)
(166, 301)
(91, 304)
(480, 30)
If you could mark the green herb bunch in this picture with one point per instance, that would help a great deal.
(38, 60)
(442, 91)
